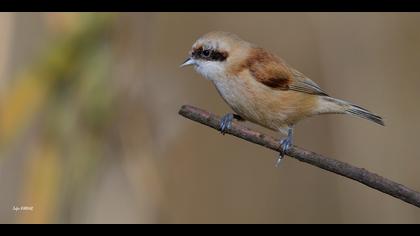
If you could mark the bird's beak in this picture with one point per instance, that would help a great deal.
(188, 62)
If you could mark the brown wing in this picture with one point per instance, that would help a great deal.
(274, 73)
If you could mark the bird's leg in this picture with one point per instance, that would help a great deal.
(226, 121)
(285, 144)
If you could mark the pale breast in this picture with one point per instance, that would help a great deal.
(260, 104)
(238, 95)
(247, 98)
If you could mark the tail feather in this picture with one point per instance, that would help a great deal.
(363, 113)
(340, 106)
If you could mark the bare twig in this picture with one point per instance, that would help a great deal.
(358, 174)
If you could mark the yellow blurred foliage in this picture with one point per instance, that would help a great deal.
(42, 175)
(41, 91)
(30, 90)
(18, 105)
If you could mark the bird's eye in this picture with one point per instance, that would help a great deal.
(205, 53)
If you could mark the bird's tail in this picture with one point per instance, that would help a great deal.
(333, 105)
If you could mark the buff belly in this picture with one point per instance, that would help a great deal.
(260, 104)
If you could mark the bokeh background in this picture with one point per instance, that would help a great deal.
(89, 130)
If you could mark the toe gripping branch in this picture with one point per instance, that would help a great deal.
(285, 144)
(226, 122)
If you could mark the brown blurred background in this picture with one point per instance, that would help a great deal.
(89, 130)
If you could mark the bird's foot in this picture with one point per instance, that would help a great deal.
(285, 144)
(226, 122)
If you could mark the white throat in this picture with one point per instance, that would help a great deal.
(210, 70)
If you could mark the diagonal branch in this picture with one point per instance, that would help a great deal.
(358, 174)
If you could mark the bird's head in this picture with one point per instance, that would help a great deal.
(214, 53)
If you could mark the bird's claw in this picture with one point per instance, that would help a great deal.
(285, 144)
(226, 123)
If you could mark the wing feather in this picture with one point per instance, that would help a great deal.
(274, 73)
(301, 83)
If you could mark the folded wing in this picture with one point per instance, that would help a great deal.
(276, 74)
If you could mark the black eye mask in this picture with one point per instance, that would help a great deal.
(209, 54)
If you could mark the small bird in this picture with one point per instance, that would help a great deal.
(262, 88)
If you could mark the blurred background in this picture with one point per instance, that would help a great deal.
(89, 129)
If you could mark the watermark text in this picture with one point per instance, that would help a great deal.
(22, 208)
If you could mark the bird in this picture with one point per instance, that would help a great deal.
(262, 88)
